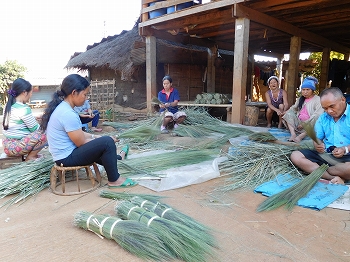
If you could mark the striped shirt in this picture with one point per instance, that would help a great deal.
(22, 122)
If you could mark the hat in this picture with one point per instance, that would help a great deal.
(309, 82)
(272, 77)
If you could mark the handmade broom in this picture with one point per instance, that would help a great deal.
(134, 237)
(169, 213)
(184, 243)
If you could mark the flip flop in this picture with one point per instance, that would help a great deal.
(97, 129)
(125, 149)
(127, 183)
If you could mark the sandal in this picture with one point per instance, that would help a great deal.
(127, 183)
(125, 149)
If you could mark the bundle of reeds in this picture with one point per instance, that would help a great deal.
(133, 236)
(150, 164)
(183, 243)
(140, 134)
(251, 164)
(262, 137)
(289, 197)
(127, 195)
(172, 214)
(25, 179)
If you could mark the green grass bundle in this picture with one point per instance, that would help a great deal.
(262, 137)
(290, 196)
(150, 164)
(191, 131)
(25, 179)
(183, 243)
(140, 134)
(169, 213)
(133, 236)
(127, 196)
(250, 164)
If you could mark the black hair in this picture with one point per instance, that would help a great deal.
(69, 84)
(301, 102)
(333, 90)
(167, 77)
(18, 86)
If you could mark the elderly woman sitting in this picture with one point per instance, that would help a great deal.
(306, 109)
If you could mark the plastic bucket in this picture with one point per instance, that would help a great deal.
(171, 9)
(158, 12)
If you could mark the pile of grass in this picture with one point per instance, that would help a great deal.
(149, 164)
(25, 179)
(252, 164)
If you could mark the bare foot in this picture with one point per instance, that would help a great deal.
(291, 139)
(268, 125)
(337, 180)
(297, 139)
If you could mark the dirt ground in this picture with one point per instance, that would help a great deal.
(41, 229)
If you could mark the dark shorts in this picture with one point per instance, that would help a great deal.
(314, 156)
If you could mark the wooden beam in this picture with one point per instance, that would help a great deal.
(240, 67)
(324, 68)
(211, 70)
(258, 17)
(293, 69)
(190, 13)
(151, 69)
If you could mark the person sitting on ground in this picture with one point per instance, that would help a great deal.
(87, 115)
(306, 109)
(169, 98)
(277, 102)
(332, 130)
(20, 128)
(68, 144)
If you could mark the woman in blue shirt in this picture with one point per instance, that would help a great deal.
(68, 144)
(169, 98)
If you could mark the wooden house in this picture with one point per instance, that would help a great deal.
(263, 27)
(117, 69)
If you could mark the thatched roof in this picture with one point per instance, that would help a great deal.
(126, 51)
(112, 52)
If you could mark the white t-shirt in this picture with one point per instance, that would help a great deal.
(63, 120)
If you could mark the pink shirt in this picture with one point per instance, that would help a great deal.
(304, 114)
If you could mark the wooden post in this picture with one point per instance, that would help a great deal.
(324, 68)
(279, 67)
(293, 69)
(151, 70)
(240, 66)
(211, 70)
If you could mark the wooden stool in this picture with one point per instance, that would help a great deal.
(7, 161)
(60, 172)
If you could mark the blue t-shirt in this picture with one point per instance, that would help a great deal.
(84, 108)
(63, 120)
(174, 95)
(334, 133)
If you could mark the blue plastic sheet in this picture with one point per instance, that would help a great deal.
(320, 196)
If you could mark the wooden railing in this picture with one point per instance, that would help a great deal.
(152, 8)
